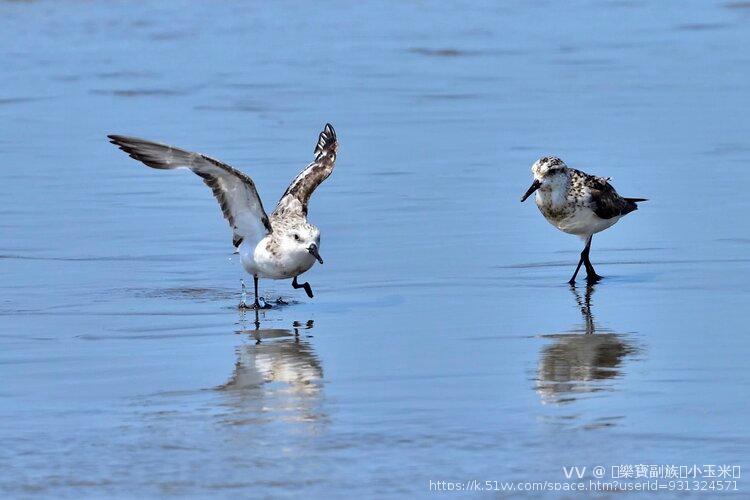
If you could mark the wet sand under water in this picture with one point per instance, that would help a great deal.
(443, 342)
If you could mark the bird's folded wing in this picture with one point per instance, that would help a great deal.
(297, 195)
(604, 200)
(234, 190)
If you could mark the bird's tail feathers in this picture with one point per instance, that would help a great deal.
(631, 204)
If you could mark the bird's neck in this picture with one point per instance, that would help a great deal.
(554, 191)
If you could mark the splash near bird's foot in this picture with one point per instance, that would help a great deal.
(261, 304)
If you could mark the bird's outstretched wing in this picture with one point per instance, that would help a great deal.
(234, 190)
(296, 196)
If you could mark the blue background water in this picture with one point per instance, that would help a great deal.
(443, 342)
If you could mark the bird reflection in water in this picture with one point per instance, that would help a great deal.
(277, 375)
(582, 360)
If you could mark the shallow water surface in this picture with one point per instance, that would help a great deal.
(443, 342)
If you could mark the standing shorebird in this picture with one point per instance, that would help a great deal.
(577, 203)
(281, 246)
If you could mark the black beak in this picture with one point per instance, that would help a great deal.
(313, 249)
(534, 186)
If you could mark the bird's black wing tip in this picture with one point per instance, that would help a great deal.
(327, 141)
(117, 140)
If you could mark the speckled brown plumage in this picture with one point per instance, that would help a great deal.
(297, 195)
(602, 199)
(577, 203)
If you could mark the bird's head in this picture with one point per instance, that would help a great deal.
(547, 172)
(302, 239)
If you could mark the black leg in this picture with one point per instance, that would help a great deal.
(255, 282)
(591, 275)
(304, 285)
(584, 256)
(578, 268)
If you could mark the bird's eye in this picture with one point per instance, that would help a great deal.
(296, 237)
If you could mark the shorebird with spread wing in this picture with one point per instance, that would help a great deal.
(281, 246)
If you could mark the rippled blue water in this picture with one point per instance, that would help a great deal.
(443, 342)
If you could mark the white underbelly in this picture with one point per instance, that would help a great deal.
(583, 222)
(258, 261)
